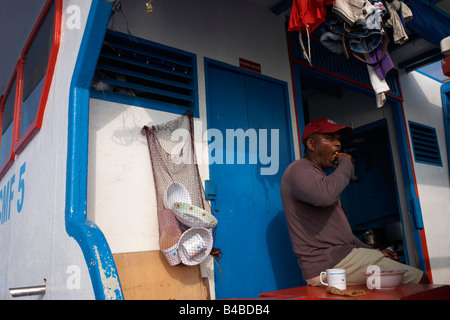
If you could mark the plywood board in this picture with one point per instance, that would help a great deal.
(146, 275)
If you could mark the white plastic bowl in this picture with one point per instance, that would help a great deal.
(385, 279)
(207, 239)
(193, 216)
(176, 192)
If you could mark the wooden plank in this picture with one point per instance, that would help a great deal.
(146, 275)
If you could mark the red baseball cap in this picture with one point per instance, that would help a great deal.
(324, 126)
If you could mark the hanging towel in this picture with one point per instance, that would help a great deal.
(403, 10)
(396, 23)
(380, 86)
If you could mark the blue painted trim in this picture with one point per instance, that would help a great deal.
(429, 76)
(98, 256)
(297, 87)
(412, 199)
(434, 9)
(445, 93)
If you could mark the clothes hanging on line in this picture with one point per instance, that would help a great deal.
(356, 26)
(380, 86)
(340, 37)
(353, 12)
(306, 16)
(305, 13)
(375, 19)
(399, 14)
(381, 61)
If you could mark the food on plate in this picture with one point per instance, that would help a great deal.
(351, 293)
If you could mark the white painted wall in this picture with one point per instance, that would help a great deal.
(34, 243)
(121, 194)
(423, 104)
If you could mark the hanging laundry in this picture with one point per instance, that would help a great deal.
(386, 14)
(360, 26)
(307, 13)
(375, 19)
(332, 41)
(306, 16)
(353, 12)
(380, 86)
(403, 10)
(359, 39)
(396, 21)
(381, 61)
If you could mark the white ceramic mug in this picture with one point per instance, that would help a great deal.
(335, 278)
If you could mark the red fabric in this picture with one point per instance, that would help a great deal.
(307, 12)
(446, 66)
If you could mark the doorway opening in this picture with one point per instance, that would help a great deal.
(371, 198)
(371, 201)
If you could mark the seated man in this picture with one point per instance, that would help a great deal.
(320, 233)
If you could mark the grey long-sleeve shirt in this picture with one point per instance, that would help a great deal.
(320, 233)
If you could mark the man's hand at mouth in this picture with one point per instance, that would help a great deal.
(338, 155)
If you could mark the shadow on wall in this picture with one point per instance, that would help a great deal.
(282, 259)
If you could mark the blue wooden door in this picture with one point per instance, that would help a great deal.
(252, 233)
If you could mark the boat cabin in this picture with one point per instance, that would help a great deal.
(99, 99)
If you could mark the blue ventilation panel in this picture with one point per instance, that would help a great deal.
(425, 144)
(135, 71)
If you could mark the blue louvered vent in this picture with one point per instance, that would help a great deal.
(425, 144)
(351, 68)
(136, 71)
